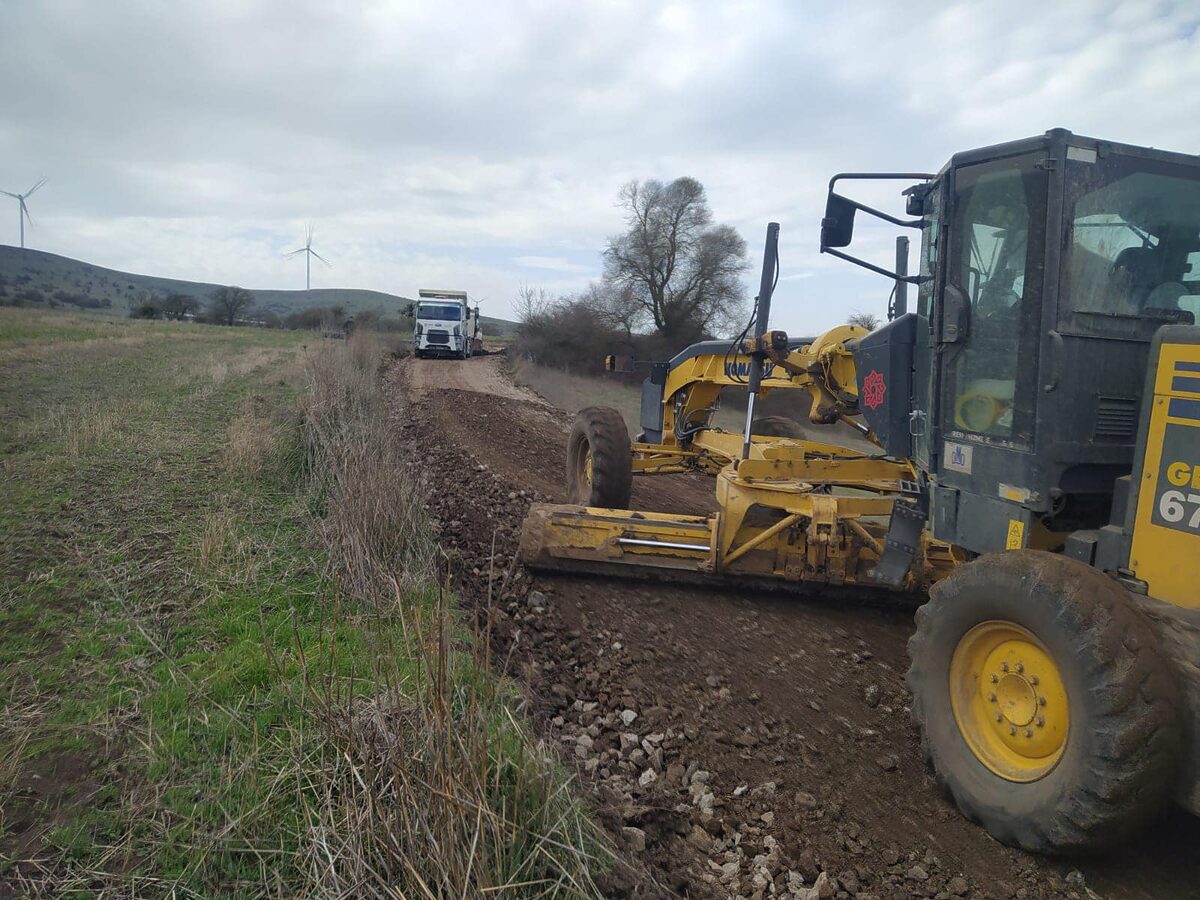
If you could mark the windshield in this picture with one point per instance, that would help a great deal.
(439, 312)
(1134, 246)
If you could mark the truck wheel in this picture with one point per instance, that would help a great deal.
(599, 459)
(777, 426)
(1045, 707)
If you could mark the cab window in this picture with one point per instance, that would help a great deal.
(1134, 243)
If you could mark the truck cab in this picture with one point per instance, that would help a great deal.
(443, 324)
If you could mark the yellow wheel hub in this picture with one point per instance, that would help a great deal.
(1009, 700)
(587, 467)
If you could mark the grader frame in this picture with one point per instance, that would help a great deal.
(792, 509)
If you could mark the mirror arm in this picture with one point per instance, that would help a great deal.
(880, 176)
(908, 279)
(880, 214)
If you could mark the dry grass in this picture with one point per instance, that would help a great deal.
(79, 426)
(252, 439)
(90, 426)
(207, 374)
(436, 788)
(223, 554)
(571, 393)
(23, 711)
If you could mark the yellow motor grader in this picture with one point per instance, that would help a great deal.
(1032, 460)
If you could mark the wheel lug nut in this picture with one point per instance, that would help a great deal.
(991, 698)
(1041, 701)
(999, 718)
(1033, 679)
(1028, 732)
(1012, 729)
(1041, 721)
(1003, 667)
(1020, 667)
(995, 679)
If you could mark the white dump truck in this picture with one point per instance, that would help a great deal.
(444, 324)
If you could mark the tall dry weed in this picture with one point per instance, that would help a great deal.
(432, 787)
(375, 523)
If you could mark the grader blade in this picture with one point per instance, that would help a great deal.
(589, 539)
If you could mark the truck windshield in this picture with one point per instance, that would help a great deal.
(1134, 246)
(439, 312)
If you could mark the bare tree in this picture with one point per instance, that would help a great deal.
(615, 306)
(679, 268)
(867, 320)
(176, 305)
(532, 304)
(227, 303)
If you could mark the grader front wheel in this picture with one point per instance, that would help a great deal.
(599, 459)
(1045, 707)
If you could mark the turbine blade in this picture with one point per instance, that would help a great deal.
(294, 252)
(40, 182)
(11, 194)
(25, 209)
(320, 257)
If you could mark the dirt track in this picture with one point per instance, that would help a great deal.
(776, 729)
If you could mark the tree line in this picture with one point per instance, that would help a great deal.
(232, 305)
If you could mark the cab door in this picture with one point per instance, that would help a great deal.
(988, 333)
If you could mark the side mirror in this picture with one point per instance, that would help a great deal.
(915, 199)
(837, 228)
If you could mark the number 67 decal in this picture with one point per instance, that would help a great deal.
(1171, 506)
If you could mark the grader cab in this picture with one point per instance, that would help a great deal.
(1031, 459)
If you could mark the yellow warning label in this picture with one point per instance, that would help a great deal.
(1016, 535)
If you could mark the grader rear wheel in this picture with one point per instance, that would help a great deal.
(1045, 707)
(599, 459)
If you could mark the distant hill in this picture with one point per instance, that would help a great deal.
(110, 290)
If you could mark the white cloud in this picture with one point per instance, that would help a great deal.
(484, 143)
(551, 263)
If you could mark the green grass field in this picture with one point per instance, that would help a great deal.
(177, 646)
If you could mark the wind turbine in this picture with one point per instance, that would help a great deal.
(22, 209)
(309, 253)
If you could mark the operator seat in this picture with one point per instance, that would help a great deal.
(1140, 278)
(1136, 272)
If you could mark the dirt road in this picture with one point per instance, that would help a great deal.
(739, 745)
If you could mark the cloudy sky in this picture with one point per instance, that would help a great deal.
(480, 145)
